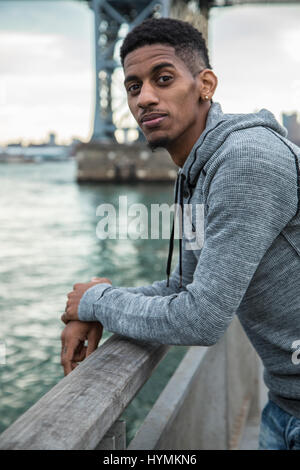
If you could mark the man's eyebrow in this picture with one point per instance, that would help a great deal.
(162, 65)
(130, 78)
(154, 69)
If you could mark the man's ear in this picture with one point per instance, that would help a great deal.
(207, 83)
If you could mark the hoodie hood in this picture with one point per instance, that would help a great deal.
(218, 127)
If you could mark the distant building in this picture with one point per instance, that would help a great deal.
(51, 140)
(291, 123)
(15, 144)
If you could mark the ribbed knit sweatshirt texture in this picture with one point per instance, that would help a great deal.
(244, 173)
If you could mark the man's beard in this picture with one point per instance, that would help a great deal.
(162, 142)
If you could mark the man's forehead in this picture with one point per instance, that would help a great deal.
(150, 55)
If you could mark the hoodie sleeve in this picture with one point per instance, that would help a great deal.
(249, 200)
(92, 295)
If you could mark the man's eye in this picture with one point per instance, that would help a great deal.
(164, 78)
(133, 88)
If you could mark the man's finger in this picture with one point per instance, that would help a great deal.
(77, 285)
(67, 365)
(68, 352)
(94, 337)
(64, 318)
(64, 360)
(62, 337)
(80, 355)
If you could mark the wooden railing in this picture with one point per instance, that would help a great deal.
(205, 405)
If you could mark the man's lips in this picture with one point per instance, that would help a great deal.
(152, 120)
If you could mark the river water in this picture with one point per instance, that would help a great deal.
(47, 243)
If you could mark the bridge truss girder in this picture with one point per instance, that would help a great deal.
(110, 16)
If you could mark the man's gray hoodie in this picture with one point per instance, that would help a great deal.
(245, 175)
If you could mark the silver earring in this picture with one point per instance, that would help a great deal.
(206, 97)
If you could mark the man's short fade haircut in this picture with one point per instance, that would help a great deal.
(187, 41)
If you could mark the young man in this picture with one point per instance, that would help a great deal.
(245, 175)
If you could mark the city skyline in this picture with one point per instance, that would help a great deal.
(47, 65)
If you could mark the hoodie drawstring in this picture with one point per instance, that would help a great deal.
(179, 184)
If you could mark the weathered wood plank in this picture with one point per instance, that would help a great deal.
(241, 378)
(190, 412)
(115, 438)
(206, 402)
(81, 408)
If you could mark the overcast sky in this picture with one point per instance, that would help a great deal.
(46, 65)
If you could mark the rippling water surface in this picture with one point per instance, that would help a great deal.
(47, 243)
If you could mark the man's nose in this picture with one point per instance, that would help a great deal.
(147, 96)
